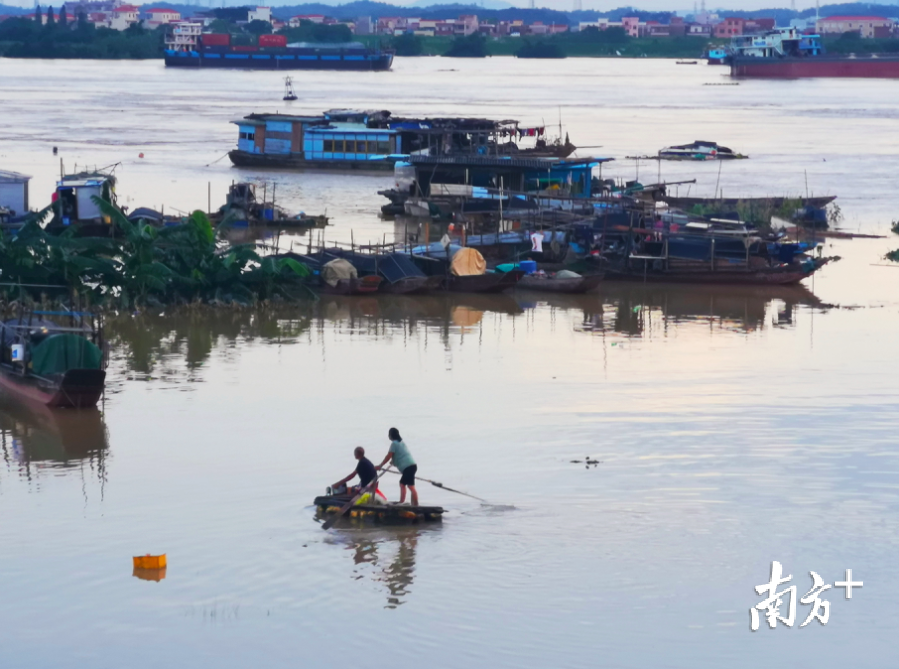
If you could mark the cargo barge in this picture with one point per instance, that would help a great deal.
(871, 66)
(272, 52)
(785, 53)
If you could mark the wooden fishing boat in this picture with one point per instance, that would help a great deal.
(733, 202)
(492, 282)
(365, 285)
(408, 285)
(382, 514)
(553, 284)
(55, 365)
(782, 275)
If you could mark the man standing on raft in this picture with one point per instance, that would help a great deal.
(402, 459)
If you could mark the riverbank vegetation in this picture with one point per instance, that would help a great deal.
(145, 265)
(613, 42)
(66, 37)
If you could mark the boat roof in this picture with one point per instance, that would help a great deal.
(506, 162)
(383, 119)
(260, 119)
(81, 183)
(13, 177)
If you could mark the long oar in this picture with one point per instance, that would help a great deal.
(346, 507)
(440, 485)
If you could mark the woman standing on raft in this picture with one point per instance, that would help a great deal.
(402, 459)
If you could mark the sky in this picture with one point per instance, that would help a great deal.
(563, 5)
(679, 6)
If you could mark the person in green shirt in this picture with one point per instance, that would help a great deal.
(402, 459)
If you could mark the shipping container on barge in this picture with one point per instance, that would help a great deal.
(785, 53)
(187, 48)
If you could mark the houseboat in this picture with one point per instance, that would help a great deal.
(786, 53)
(443, 185)
(375, 140)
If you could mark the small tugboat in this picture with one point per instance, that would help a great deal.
(55, 365)
(382, 514)
(289, 95)
(717, 56)
(699, 150)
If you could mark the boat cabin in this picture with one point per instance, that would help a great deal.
(777, 43)
(73, 203)
(13, 195)
(474, 176)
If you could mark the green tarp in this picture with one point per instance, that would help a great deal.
(61, 352)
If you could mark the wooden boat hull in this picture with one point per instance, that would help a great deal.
(581, 284)
(777, 276)
(77, 388)
(387, 514)
(409, 285)
(363, 286)
(277, 161)
(772, 202)
(483, 283)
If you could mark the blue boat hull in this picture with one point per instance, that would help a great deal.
(278, 61)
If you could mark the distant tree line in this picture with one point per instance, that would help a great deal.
(65, 36)
(233, 20)
(589, 42)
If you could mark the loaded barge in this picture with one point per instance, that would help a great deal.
(272, 52)
(785, 53)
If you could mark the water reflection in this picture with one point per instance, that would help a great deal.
(387, 557)
(642, 309)
(175, 346)
(35, 437)
(152, 345)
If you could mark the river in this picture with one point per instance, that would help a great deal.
(731, 427)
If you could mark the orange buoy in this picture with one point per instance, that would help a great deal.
(150, 561)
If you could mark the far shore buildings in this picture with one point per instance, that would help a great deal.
(867, 26)
(119, 15)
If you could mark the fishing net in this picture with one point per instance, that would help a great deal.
(61, 352)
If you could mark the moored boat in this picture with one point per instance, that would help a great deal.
(771, 202)
(781, 275)
(386, 514)
(552, 283)
(55, 365)
(699, 150)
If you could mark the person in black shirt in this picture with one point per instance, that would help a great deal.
(364, 469)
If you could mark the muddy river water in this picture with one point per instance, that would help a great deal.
(732, 427)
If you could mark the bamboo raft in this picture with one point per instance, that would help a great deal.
(382, 514)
